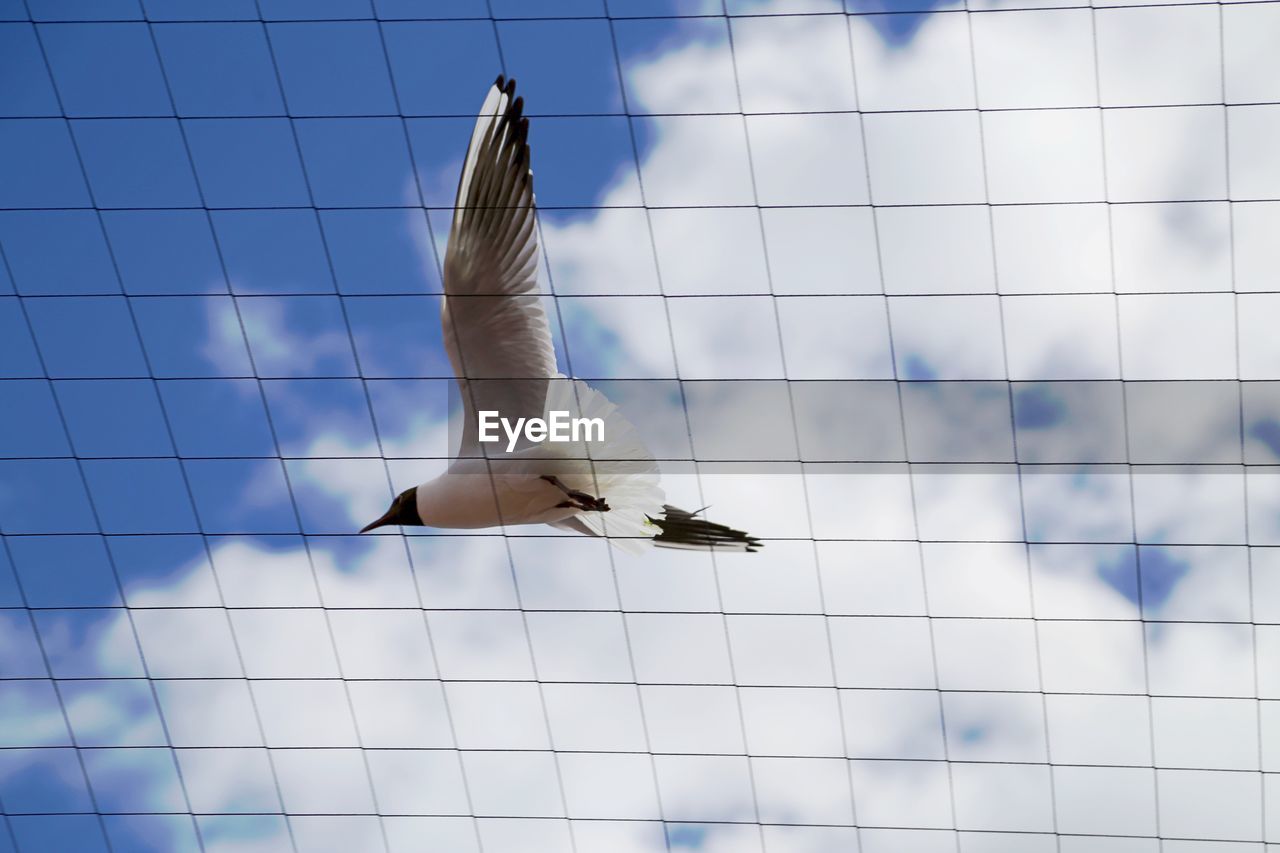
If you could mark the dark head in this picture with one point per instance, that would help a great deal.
(404, 511)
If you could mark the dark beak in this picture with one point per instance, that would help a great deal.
(389, 517)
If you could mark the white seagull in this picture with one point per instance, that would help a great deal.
(499, 343)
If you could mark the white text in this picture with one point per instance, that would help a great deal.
(557, 427)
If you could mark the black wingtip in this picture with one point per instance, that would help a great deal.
(510, 88)
(501, 82)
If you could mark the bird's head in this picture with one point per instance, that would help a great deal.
(404, 511)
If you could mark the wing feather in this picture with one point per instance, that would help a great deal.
(683, 529)
(495, 328)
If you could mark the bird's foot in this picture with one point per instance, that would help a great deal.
(586, 503)
(577, 499)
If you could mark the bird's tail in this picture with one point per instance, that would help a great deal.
(620, 469)
(683, 529)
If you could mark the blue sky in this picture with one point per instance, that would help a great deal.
(175, 179)
(220, 227)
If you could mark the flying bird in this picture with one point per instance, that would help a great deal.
(499, 344)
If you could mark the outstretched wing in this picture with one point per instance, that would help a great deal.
(495, 328)
(683, 529)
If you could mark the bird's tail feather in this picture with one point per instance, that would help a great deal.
(620, 468)
(683, 529)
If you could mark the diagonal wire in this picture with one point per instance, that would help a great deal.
(426, 621)
(1062, 620)
(860, 13)
(1144, 202)
(978, 540)
(33, 297)
(613, 567)
(1013, 431)
(1124, 403)
(204, 538)
(931, 690)
(908, 473)
(1057, 108)
(297, 145)
(896, 828)
(62, 708)
(293, 502)
(795, 427)
(92, 502)
(1244, 484)
(506, 540)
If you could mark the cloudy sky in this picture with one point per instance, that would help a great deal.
(866, 277)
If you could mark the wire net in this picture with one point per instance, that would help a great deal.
(964, 310)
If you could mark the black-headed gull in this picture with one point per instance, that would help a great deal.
(499, 343)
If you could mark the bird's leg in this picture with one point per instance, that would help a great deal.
(577, 499)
